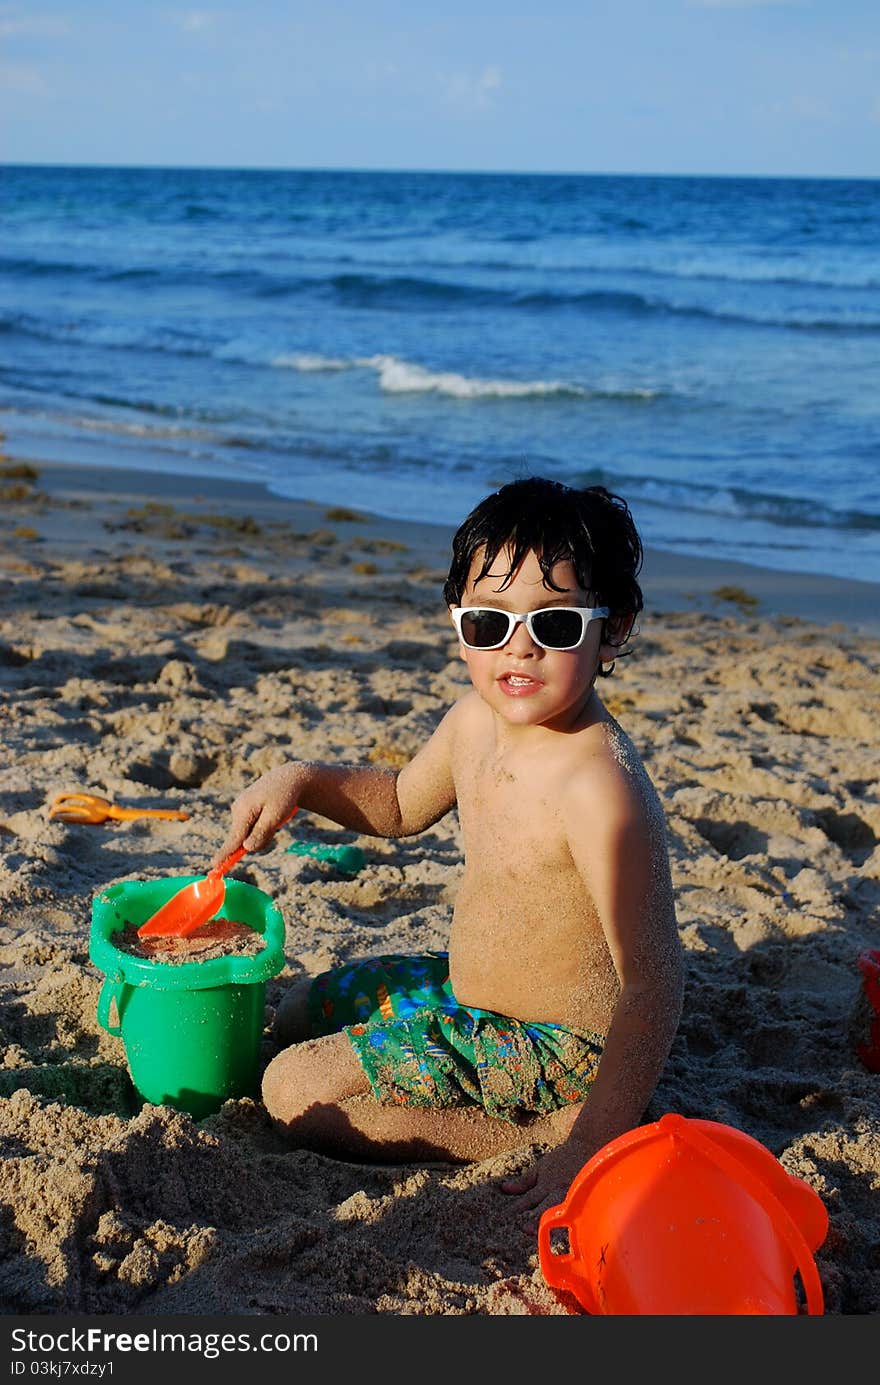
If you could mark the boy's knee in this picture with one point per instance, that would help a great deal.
(285, 1082)
(317, 1073)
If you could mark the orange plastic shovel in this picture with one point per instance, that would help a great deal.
(196, 903)
(192, 906)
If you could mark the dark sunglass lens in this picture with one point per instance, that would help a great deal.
(558, 629)
(482, 629)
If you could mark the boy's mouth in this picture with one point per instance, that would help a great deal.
(519, 684)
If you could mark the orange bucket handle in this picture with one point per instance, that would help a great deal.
(779, 1215)
(558, 1264)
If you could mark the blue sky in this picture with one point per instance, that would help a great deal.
(655, 86)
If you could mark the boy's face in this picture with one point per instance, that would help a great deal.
(524, 683)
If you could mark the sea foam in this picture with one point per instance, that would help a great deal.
(398, 376)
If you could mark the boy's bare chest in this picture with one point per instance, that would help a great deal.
(511, 811)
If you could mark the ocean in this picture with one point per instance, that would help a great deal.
(708, 348)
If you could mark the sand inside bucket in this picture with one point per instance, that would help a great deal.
(217, 938)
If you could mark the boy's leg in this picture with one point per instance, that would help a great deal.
(318, 1094)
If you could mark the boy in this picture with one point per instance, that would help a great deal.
(553, 1013)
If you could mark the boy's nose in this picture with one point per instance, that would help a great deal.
(521, 642)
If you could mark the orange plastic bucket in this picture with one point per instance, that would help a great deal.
(686, 1217)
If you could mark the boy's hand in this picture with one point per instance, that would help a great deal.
(259, 811)
(546, 1183)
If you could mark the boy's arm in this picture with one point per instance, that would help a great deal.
(610, 839)
(376, 802)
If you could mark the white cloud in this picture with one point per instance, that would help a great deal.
(381, 71)
(194, 21)
(469, 93)
(266, 105)
(848, 54)
(16, 24)
(802, 107)
(23, 81)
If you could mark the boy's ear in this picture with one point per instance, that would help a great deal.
(461, 649)
(617, 631)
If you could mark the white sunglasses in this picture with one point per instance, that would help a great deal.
(553, 627)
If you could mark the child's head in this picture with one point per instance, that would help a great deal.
(591, 528)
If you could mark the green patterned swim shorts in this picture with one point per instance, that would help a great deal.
(419, 1047)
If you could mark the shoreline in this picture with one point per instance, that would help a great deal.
(670, 581)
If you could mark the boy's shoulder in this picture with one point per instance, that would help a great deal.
(467, 713)
(607, 777)
(459, 727)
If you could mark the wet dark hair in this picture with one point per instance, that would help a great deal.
(592, 528)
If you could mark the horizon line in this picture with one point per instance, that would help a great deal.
(439, 172)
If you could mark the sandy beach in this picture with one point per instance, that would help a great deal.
(162, 642)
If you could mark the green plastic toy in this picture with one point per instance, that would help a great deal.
(192, 1033)
(349, 859)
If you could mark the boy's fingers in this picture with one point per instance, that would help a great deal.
(262, 831)
(529, 1202)
(256, 816)
(242, 821)
(231, 844)
(521, 1183)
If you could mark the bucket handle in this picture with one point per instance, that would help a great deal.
(557, 1267)
(110, 991)
(778, 1214)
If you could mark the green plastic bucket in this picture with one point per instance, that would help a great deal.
(192, 1033)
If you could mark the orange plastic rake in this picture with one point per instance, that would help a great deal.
(90, 807)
